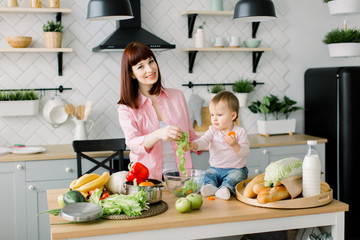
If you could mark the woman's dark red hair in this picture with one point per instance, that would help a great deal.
(129, 87)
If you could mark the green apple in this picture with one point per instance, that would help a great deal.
(60, 200)
(183, 205)
(196, 200)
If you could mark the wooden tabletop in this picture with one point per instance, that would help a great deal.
(212, 212)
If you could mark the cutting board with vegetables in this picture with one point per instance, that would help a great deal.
(299, 202)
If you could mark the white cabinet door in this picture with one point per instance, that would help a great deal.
(12, 202)
(38, 227)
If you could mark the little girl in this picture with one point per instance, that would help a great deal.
(228, 147)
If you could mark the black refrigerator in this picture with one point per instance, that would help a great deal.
(332, 97)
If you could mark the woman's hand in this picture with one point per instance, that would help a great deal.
(170, 133)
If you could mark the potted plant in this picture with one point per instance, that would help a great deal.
(343, 7)
(19, 103)
(199, 36)
(272, 106)
(242, 88)
(53, 34)
(343, 42)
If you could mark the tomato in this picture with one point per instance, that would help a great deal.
(91, 192)
(145, 184)
(105, 195)
(232, 133)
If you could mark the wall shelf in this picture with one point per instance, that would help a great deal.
(191, 14)
(59, 51)
(34, 10)
(256, 54)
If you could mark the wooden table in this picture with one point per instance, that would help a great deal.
(216, 218)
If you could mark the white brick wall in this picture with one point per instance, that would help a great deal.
(96, 76)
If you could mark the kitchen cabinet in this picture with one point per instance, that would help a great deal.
(12, 204)
(41, 176)
(59, 51)
(192, 52)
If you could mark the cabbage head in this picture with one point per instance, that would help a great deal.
(281, 169)
(116, 182)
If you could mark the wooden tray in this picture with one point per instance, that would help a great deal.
(300, 202)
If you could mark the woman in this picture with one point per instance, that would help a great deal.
(152, 117)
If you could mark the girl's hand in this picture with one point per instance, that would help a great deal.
(231, 140)
(170, 133)
(193, 146)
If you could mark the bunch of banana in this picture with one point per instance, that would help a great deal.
(90, 181)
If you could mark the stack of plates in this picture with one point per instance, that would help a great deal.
(22, 150)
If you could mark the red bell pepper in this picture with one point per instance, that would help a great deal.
(138, 171)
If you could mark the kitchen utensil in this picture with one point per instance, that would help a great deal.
(153, 193)
(182, 185)
(19, 42)
(54, 111)
(81, 130)
(252, 43)
(299, 202)
(88, 109)
(80, 112)
(234, 41)
(81, 212)
(70, 110)
(218, 42)
(27, 150)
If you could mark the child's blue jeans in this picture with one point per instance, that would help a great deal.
(225, 177)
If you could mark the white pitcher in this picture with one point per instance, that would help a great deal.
(81, 130)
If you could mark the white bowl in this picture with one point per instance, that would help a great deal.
(54, 111)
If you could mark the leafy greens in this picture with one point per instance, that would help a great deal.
(183, 142)
(115, 204)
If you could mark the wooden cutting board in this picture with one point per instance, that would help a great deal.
(300, 202)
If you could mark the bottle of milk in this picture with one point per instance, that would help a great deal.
(311, 171)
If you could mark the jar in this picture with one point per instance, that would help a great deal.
(54, 3)
(35, 3)
(12, 3)
(199, 38)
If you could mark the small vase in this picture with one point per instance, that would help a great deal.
(12, 3)
(216, 5)
(199, 38)
(54, 3)
(53, 39)
(35, 3)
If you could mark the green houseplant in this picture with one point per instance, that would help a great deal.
(217, 88)
(343, 42)
(242, 88)
(272, 106)
(18, 103)
(53, 34)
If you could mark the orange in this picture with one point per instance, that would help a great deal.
(232, 133)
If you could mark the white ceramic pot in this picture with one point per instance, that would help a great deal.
(199, 38)
(81, 129)
(276, 127)
(344, 49)
(19, 108)
(54, 111)
(242, 97)
(344, 7)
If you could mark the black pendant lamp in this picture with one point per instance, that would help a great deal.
(254, 11)
(109, 10)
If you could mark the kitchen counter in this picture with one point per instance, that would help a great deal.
(215, 218)
(66, 151)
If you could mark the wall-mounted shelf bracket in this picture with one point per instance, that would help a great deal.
(192, 56)
(60, 63)
(255, 27)
(58, 17)
(191, 23)
(256, 58)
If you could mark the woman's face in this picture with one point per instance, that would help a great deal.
(146, 72)
(221, 116)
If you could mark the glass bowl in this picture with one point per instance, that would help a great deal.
(181, 185)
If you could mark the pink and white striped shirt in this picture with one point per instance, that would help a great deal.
(136, 123)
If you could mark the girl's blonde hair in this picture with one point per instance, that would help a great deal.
(230, 99)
